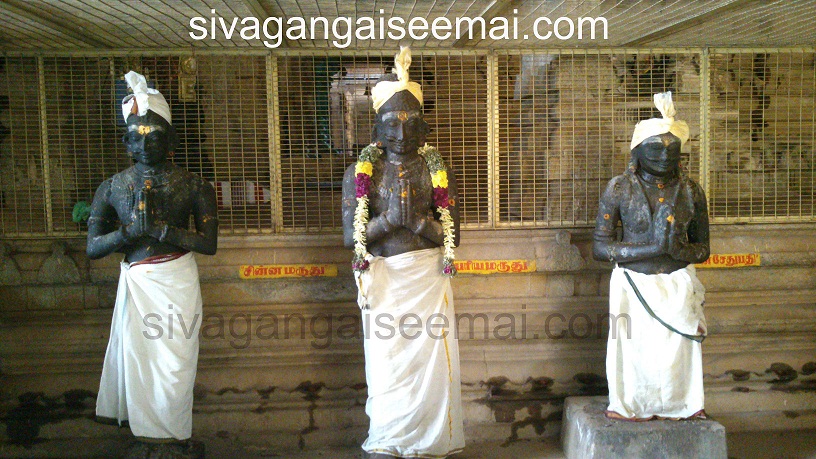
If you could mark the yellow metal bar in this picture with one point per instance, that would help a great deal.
(263, 51)
(46, 159)
(597, 51)
(795, 49)
(705, 113)
(493, 139)
(332, 52)
(127, 52)
(273, 121)
(776, 219)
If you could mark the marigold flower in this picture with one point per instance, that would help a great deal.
(364, 167)
(440, 179)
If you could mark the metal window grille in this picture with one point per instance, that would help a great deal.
(323, 121)
(83, 138)
(228, 139)
(532, 135)
(62, 148)
(326, 118)
(566, 121)
(763, 133)
(23, 205)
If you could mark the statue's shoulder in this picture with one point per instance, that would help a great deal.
(375, 158)
(103, 191)
(350, 169)
(177, 172)
(124, 178)
(181, 175)
(625, 180)
(693, 189)
(620, 188)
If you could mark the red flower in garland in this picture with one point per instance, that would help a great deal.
(440, 197)
(362, 185)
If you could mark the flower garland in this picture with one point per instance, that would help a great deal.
(439, 179)
(362, 182)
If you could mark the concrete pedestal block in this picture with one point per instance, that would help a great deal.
(587, 434)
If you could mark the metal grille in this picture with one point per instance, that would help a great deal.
(227, 139)
(326, 119)
(533, 136)
(219, 109)
(84, 144)
(763, 132)
(565, 124)
(23, 208)
(456, 108)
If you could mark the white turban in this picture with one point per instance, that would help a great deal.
(385, 89)
(144, 97)
(657, 126)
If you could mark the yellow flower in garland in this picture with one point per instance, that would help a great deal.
(364, 167)
(440, 179)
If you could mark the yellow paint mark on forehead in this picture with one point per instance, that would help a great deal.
(401, 115)
(145, 129)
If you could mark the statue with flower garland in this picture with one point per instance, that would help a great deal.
(401, 217)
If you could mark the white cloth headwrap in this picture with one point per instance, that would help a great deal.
(145, 98)
(384, 90)
(657, 126)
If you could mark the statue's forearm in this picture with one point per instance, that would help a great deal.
(692, 252)
(377, 228)
(201, 242)
(432, 230)
(624, 252)
(102, 245)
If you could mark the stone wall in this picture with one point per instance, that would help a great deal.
(258, 383)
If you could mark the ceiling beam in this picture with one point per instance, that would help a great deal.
(262, 13)
(69, 29)
(257, 9)
(688, 23)
(498, 8)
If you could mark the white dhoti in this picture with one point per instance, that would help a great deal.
(412, 357)
(651, 370)
(150, 364)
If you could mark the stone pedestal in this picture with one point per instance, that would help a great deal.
(586, 434)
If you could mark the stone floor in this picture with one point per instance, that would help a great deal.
(744, 445)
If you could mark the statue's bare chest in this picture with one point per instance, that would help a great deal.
(169, 198)
(389, 178)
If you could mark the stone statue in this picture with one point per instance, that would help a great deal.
(654, 359)
(401, 217)
(144, 213)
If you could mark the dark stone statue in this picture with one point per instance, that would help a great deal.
(152, 201)
(415, 410)
(144, 212)
(667, 234)
(654, 357)
(401, 202)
